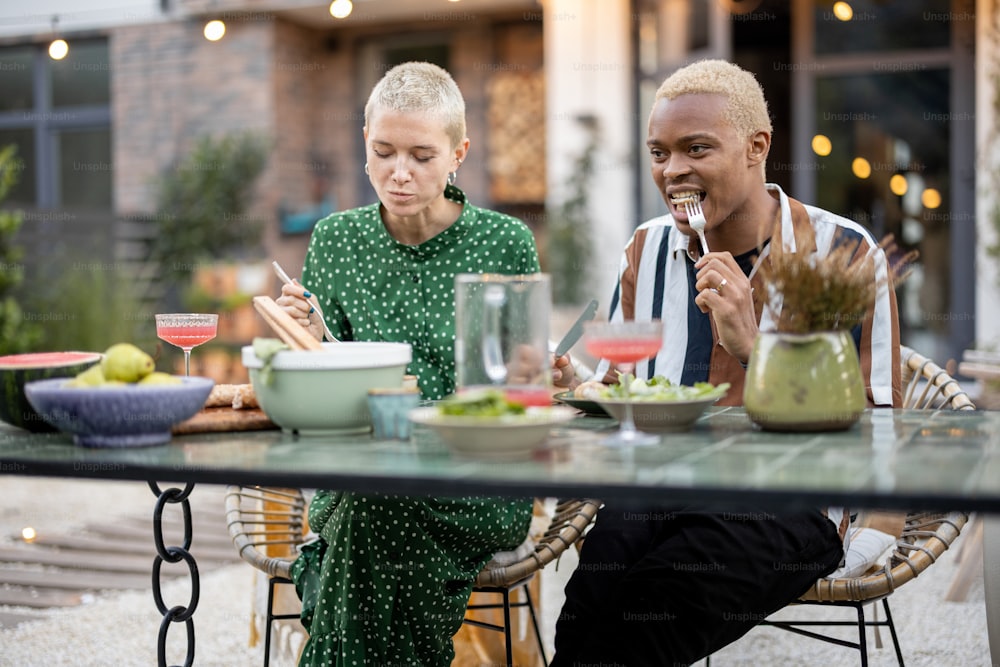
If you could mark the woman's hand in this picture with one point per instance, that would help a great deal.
(725, 292)
(300, 304)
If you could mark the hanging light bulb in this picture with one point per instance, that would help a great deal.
(861, 167)
(341, 9)
(843, 11)
(58, 49)
(822, 145)
(931, 198)
(214, 30)
(898, 184)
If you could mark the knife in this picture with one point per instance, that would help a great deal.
(576, 330)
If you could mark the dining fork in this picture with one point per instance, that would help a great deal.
(697, 222)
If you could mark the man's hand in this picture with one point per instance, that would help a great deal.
(564, 373)
(725, 293)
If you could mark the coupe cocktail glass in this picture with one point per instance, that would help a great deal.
(624, 344)
(186, 331)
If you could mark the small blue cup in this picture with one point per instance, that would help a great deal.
(389, 409)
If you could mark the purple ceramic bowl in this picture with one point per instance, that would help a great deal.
(120, 416)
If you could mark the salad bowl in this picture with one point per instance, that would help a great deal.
(485, 425)
(660, 406)
(499, 438)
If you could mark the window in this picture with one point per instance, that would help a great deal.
(58, 115)
(915, 24)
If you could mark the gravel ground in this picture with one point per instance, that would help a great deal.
(120, 628)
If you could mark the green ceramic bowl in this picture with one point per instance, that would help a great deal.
(325, 392)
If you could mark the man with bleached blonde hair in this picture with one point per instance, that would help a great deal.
(668, 585)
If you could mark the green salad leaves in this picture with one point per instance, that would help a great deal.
(486, 403)
(660, 390)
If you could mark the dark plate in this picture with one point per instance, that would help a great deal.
(584, 405)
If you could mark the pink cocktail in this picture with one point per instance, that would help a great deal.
(624, 350)
(625, 343)
(186, 331)
(188, 337)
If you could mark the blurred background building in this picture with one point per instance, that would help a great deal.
(874, 103)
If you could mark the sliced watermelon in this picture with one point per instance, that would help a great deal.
(17, 369)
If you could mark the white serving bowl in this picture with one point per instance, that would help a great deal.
(503, 438)
(325, 392)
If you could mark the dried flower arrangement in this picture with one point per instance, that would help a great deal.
(831, 293)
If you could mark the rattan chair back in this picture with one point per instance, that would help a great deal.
(928, 386)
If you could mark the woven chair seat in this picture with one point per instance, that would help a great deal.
(926, 535)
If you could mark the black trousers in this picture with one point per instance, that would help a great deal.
(664, 586)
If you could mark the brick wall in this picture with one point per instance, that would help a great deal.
(170, 87)
(298, 86)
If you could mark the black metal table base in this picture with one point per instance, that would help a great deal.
(174, 554)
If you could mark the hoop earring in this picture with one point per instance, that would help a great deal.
(366, 169)
(452, 177)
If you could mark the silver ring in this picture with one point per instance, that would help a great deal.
(718, 290)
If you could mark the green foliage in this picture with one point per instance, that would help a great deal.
(569, 246)
(201, 203)
(17, 334)
(91, 307)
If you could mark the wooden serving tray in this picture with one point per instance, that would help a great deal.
(224, 420)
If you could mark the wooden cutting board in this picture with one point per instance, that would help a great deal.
(223, 420)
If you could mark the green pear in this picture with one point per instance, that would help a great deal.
(92, 377)
(126, 362)
(160, 378)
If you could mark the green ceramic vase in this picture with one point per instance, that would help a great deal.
(804, 382)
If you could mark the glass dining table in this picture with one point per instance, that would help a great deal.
(891, 459)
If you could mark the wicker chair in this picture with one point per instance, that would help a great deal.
(259, 518)
(569, 522)
(928, 386)
(925, 536)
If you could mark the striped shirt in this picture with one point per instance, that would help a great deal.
(657, 281)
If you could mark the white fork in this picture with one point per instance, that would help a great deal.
(697, 222)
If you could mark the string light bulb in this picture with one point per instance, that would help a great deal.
(214, 30)
(341, 9)
(930, 198)
(822, 145)
(843, 11)
(898, 185)
(58, 48)
(861, 167)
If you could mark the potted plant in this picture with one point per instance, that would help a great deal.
(805, 375)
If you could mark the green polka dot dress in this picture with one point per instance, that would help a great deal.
(388, 581)
(372, 287)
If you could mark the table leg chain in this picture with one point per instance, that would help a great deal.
(174, 554)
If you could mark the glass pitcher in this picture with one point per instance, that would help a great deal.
(502, 335)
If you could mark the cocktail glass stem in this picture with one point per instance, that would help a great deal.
(627, 433)
(187, 360)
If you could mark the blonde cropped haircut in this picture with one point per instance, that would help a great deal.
(422, 87)
(746, 109)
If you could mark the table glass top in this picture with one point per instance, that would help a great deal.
(900, 458)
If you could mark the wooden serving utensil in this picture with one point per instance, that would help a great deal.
(284, 325)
